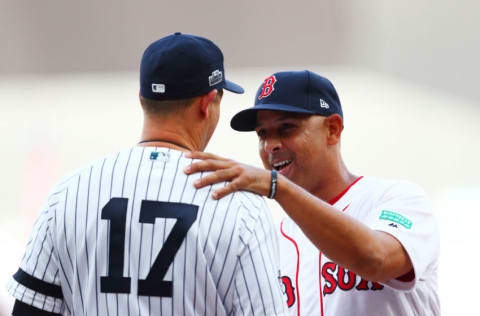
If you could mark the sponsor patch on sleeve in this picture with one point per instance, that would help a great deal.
(396, 218)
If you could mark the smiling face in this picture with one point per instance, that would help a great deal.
(298, 146)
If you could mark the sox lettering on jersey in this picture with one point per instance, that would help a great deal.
(268, 87)
(336, 276)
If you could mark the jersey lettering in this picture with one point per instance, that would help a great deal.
(331, 282)
(363, 285)
(116, 212)
(267, 87)
(337, 276)
(376, 286)
(289, 290)
(346, 286)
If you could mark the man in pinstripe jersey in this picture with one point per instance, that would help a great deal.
(129, 234)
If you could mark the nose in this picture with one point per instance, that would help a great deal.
(271, 144)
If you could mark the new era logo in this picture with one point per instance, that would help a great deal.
(215, 77)
(158, 88)
(324, 104)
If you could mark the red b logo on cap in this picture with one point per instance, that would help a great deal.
(267, 87)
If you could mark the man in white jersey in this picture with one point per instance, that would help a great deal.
(352, 245)
(130, 235)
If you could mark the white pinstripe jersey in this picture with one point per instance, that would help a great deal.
(130, 235)
(315, 285)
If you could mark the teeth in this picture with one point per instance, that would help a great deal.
(280, 164)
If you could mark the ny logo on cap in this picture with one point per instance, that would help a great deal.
(215, 77)
(267, 87)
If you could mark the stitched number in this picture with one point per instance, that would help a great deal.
(154, 285)
(116, 212)
(185, 214)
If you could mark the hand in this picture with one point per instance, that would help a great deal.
(241, 176)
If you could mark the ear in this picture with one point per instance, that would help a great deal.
(205, 101)
(140, 99)
(334, 125)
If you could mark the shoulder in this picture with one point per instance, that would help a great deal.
(252, 202)
(373, 195)
(391, 188)
(253, 211)
(72, 178)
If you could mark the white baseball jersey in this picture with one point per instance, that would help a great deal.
(315, 285)
(130, 235)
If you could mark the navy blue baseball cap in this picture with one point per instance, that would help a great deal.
(182, 66)
(291, 91)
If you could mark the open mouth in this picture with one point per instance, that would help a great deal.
(281, 164)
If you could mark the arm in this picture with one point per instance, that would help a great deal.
(36, 284)
(374, 255)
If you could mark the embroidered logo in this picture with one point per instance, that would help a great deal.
(324, 104)
(268, 87)
(215, 77)
(158, 88)
(159, 156)
(396, 218)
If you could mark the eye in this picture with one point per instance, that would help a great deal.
(261, 133)
(286, 127)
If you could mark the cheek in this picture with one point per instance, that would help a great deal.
(308, 150)
(263, 154)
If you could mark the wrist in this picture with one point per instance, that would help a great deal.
(273, 184)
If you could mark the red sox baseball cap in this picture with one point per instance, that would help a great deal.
(291, 91)
(182, 66)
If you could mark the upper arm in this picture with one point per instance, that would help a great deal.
(396, 261)
(406, 228)
(36, 284)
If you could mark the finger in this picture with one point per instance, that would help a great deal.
(226, 190)
(206, 165)
(221, 175)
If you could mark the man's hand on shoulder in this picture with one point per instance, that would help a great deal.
(241, 176)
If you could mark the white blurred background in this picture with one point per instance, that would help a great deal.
(406, 74)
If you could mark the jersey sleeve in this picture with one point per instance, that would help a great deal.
(36, 284)
(404, 212)
(256, 285)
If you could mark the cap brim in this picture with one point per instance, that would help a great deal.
(246, 120)
(233, 87)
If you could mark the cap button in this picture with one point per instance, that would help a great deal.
(177, 33)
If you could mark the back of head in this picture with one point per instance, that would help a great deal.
(177, 68)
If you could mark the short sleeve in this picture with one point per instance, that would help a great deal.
(257, 289)
(405, 212)
(37, 282)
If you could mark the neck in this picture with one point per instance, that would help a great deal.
(335, 182)
(168, 134)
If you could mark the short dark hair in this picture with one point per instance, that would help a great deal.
(165, 106)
